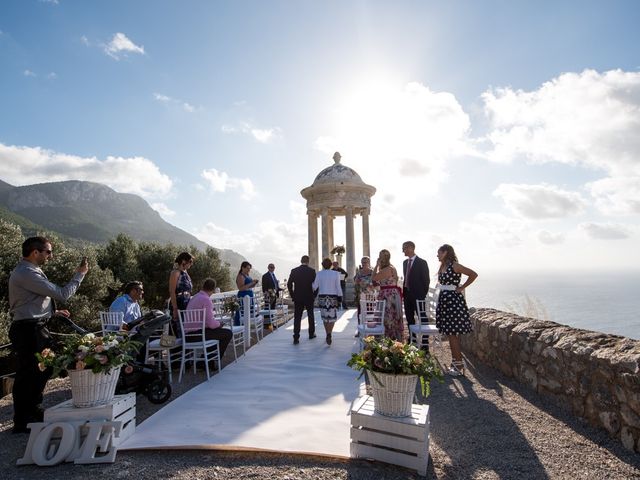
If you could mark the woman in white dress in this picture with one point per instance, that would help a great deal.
(327, 283)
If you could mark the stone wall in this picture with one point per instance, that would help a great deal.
(595, 375)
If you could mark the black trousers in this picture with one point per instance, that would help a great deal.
(410, 311)
(298, 308)
(27, 338)
(223, 335)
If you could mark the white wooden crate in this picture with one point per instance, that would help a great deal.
(400, 441)
(121, 409)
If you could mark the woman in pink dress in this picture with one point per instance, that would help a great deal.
(385, 275)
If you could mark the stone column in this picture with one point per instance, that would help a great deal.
(351, 254)
(366, 249)
(313, 239)
(330, 231)
(325, 234)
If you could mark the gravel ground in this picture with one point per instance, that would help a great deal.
(484, 426)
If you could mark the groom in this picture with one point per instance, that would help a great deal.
(300, 287)
(416, 281)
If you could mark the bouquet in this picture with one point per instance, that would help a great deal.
(390, 356)
(231, 306)
(338, 250)
(89, 352)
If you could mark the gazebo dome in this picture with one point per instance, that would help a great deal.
(338, 173)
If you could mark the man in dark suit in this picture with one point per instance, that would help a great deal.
(300, 285)
(270, 282)
(416, 281)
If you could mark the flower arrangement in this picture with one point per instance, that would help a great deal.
(397, 358)
(89, 352)
(230, 305)
(270, 295)
(338, 250)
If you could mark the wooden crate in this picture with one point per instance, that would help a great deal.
(122, 409)
(400, 441)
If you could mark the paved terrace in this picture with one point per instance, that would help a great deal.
(482, 426)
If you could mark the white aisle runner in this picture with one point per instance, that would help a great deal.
(279, 397)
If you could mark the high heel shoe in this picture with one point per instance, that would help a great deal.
(457, 368)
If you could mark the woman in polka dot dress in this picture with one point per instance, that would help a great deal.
(452, 315)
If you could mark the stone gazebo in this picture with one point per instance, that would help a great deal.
(338, 191)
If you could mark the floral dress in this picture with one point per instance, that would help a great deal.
(389, 291)
(452, 314)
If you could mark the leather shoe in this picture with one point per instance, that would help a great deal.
(296, 341)
(329, 339)
(311, 337)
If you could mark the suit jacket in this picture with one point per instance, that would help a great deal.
(418, 280)
(267, 283)
(300, 284)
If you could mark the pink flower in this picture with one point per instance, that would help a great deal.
(80, 365)
(128, 369)
(103, 359)
(41, 367)
(99, 348)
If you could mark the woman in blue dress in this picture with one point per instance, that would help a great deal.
(180, 286)
(245, 286)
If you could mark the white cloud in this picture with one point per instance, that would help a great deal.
(540, 201)
(262, 135)
(497, 229)
(52, 75)
(617, 195)
(20, 165)
(85, 40)
(549, 238)
(587, 118)
(270, 241)
(52, 2)
(29, 73)
(187, 107)
(121, 45)
(605, 231)
(398, 136)
(221, 182)
(163, 210)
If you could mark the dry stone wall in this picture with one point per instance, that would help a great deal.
(594, 374)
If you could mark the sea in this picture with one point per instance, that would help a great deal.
(604, 302)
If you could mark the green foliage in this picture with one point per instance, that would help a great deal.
(110, 267)
(390, 356)
(89, 352)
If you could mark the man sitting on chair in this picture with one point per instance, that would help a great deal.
(127, 303)
(213, 328)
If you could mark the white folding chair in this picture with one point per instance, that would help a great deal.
(426, 327)
(237, 331)
(282, 310)
(111, 321)
(195, 346)
(160, 354)
(256, 321)
(369, 298)
(372, 314)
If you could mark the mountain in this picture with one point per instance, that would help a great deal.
(93, 212)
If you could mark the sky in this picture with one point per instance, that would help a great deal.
(508, 129)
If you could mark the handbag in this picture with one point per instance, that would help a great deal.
(168, 339)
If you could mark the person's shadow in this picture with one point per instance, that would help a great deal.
(469, 435)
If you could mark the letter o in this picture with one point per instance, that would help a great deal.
(41, 445)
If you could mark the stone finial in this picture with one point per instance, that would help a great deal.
(337, 157)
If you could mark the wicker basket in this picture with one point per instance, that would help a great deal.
(90, 389)
(393, 394)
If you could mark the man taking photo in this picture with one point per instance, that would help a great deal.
(31, 303)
